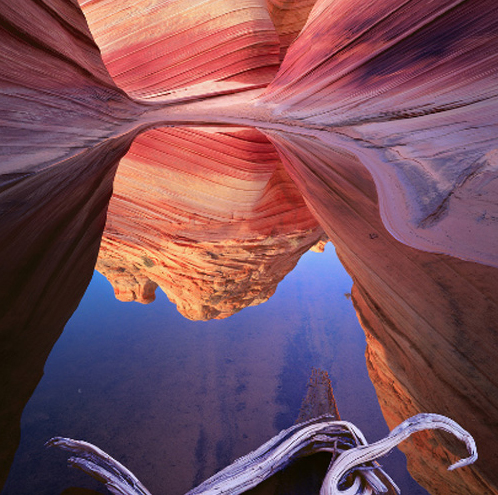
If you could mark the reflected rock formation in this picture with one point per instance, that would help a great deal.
(209, 215)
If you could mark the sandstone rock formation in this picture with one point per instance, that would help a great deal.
(430, 320)
(396, 84)
(209, 215)
(410, 89)
(57, 98)
(404, 93)
(288, 17)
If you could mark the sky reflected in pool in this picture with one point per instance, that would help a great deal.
(176, 400)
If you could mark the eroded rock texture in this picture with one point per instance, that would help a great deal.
(398, 84)
(289, 17)
(209, 215)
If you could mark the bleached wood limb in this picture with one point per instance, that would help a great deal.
(352, 457)
(95, 462)
(366, 453)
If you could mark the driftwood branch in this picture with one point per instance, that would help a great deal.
(95, 462)
(352, 471)
(364, 454)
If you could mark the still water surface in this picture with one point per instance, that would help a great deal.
(176, 400)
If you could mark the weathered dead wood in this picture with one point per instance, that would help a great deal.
(352, 470)
(363, 454)
(95, 462)
(319, 399)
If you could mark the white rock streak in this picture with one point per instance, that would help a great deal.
(352, 471)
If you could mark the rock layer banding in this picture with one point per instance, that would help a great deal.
(208, 215)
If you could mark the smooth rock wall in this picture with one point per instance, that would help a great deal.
(411, 89)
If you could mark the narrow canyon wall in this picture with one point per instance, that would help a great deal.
(430, 319)
(59, 111)
(208, 215)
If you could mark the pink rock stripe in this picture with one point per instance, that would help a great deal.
(151, 48)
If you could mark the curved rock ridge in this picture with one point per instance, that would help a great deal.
(397, 84)
(208, 215)
(411, 89)
(154, 47)
(56, 96)
(430, 319)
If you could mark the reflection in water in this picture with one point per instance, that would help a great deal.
(208, 215)
(428, 318)
(176, 400)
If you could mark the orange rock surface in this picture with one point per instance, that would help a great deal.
(210, 216)
(288, 17)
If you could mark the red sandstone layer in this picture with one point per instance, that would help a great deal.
(208, 215)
